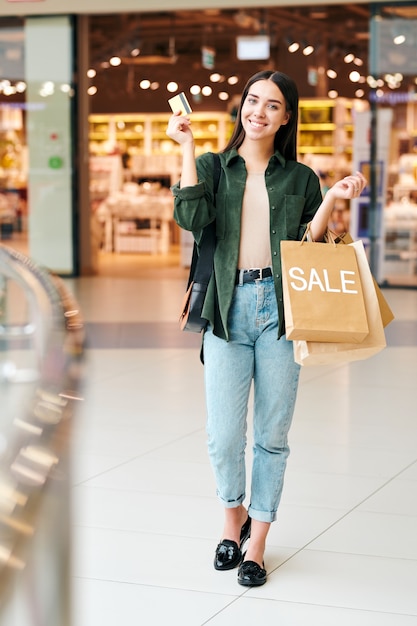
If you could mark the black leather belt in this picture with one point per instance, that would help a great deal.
(248, 276)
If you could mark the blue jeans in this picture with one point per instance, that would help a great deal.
(253, 352)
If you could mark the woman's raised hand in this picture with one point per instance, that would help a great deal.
(349, 187)
(179, 128)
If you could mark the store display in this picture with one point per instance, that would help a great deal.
(105, 176)
(13, 173)
(136, 219)
(400, 223)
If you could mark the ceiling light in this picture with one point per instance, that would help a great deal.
(233, 80)
(223, 95)
(399, 40)
(48, 88)
(115, 61)
(371, 82)
(172, 86)
(308, 50)
(11, 90)
(92, 90)
(207, 90)
(293, 47)
(348, 58)
(135, 52)
(91, 73)
(354, 76)
(195, 90)
(331, 73)
(359, 93)
(145, 83)
(394, 80)
(215, 78)
(291, 43)
(333, 94)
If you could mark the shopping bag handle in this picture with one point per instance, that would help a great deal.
(329, 236)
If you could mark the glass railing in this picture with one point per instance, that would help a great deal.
(41, 381)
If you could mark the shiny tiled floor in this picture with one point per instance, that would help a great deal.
(146, 519)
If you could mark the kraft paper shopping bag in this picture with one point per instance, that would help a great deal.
(323, 295)
(322, 353)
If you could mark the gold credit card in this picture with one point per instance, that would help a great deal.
(180, 103)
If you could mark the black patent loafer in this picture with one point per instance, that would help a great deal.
(250, 574)
(228, 554)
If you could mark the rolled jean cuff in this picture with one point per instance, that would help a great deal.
(231, 504)
(262, 516)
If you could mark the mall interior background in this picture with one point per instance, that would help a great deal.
(85, 162)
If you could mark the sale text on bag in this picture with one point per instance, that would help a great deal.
(322, 293)
(345, 282)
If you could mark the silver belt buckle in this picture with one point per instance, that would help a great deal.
(257, 269)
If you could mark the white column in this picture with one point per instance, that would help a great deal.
(48, 73)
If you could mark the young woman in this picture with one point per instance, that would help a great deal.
(264, 196)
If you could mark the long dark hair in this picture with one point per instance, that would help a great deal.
(286, 137)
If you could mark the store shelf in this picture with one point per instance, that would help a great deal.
(316, 149)
(146, 134)
(326, 126)
(325, 134)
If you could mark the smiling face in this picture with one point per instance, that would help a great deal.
(263, 111)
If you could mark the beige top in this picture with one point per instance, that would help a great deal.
(255, 246)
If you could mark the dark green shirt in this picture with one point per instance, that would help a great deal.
(294, 197)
